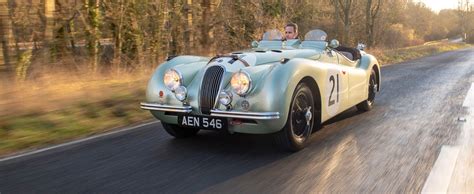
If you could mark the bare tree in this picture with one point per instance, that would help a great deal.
(346, 7)
(93, 33)
(371, 13)
(463, 9)
(188, 28)
(5, 37)
(49, 10)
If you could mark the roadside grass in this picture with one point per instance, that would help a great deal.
(61, 107)
(392, 56)
(36, 114)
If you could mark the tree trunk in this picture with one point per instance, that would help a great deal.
(368, 21)
(336, 18)
(207, 28)
(93, 43)
(346, 6)
(5, 29)
(347, 21)
(118, 37)
(49, 9)
(371, 13)
(188, 32)
(175, 22)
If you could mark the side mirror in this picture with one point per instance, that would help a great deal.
(334, 44)
(361, 46)
(254, 44)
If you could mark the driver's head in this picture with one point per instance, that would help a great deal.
(291, 31)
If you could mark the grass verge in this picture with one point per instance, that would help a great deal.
(58, 108)
(404, 54)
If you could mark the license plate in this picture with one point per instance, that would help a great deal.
(202, 122)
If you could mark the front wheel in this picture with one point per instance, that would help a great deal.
(367, 105)
(295, 135)
(177, 132)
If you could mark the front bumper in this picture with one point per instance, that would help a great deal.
(246, 115)
(216, 113)
(251, 123)
(165, 108)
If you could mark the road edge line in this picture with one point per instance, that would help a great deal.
(442, 171)
(84, 140)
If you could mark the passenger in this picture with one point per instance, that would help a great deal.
(291, 31)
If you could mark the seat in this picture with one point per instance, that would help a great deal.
(352, 54)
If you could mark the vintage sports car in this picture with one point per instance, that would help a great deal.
(288, 88)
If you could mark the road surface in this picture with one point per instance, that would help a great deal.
(392, 148)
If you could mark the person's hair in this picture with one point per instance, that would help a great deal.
(295, 26)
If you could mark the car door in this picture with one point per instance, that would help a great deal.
(336, 84)
(357, 81)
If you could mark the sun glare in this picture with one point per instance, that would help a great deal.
(437, 5)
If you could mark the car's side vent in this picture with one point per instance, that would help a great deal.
(210, 88)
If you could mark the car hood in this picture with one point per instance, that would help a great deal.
(257, 62)
(260, 56)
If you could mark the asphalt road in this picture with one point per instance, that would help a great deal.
(389, 149)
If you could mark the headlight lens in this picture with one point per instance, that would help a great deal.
(241, 83)
(180, 93)
(172, 79)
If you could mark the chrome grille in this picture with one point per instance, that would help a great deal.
(210, 88)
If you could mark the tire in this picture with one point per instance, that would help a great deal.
(177, 132)
(367, 105)
(294, 136)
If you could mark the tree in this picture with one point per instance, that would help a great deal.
(93, 33)
(371, 13)
(207, 26)
(463, 10)
(5, 36)
(345, 9)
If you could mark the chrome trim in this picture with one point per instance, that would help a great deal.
(165, 108)
(246, 115)
(221, 87)
(221, 84)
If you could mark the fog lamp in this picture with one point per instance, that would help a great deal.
(180, 93)
(225, 98)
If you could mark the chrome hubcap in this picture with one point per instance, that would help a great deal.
(308, 116)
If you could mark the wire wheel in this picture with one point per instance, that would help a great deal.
(294, 136)
(367, 105)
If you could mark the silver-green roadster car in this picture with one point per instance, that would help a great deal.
(285, 87)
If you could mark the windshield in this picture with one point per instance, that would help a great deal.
(316, 35)
(273, 34)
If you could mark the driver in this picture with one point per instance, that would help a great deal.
(291, 31)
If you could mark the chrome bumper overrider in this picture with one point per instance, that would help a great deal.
(246, 115)
(166, 108)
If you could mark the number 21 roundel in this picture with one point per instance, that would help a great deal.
(333, 88)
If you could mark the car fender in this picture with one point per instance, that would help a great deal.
(369, 62)
(187, 65)
(282, 82)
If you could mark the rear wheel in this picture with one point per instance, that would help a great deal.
(295, 135)
(367, 105)
(177, 132)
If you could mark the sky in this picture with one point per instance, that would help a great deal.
(437, 5)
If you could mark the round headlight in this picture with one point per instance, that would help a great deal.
(241, 83)
(172, 79)
(225, 98)
(180, 93)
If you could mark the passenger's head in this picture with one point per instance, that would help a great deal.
(291, 31)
